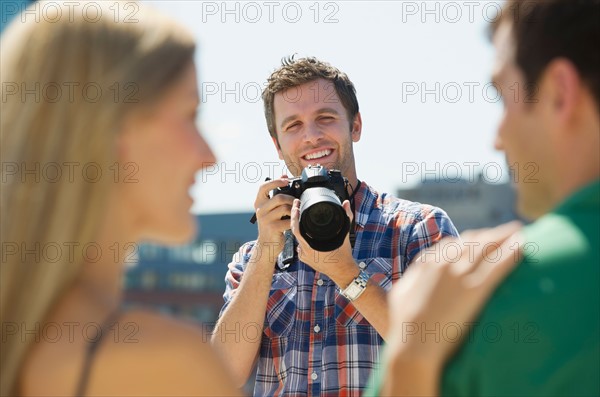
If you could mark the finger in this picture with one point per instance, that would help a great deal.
(348, 208)
(275, 214)
(295, 222)
(509, 227)
(473, 235)
(270, 205)
(492, 271)
(281, 225)
(486, 244)
(267, 186)
(295, 218)
(265, 189)
(437, 252)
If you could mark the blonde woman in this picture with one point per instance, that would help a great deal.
(99, 148)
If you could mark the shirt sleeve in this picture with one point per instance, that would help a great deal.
(235, 272)
(430, 227)
(413, 229)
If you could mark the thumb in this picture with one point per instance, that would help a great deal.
(348, 209)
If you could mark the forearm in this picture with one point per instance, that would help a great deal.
(238, 333)
(372, 303)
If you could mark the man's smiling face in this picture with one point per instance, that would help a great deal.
(312, 127)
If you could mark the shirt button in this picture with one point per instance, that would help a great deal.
(317, 328)
(319, 282)
(314, 376)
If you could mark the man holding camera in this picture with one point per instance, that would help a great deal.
(315, 326)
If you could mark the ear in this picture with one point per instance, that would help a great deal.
(564, 86)
(356, 128)
(277, 147)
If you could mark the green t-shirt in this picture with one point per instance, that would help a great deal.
(539, 333)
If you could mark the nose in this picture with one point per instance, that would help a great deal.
(206, 157)
(312, 133)
(498, 145)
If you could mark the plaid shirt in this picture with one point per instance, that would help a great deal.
(314, 342)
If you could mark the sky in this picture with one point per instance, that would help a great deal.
(421, 70)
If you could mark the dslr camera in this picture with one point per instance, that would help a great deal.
(323, 221)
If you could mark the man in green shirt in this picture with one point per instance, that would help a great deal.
(539, 332)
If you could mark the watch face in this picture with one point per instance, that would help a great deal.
(353, 290)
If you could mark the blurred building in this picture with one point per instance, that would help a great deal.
(188, 281)
(470, 204)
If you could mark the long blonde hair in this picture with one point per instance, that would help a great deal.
(68, 77)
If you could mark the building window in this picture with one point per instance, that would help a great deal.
(148, 280)
(187, 281)
(205, 253)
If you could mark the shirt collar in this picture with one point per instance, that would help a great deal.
(586, 197)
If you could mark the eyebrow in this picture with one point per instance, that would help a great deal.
(320, 111)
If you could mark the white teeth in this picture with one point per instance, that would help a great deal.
(318, 155)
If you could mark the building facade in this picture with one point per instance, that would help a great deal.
(470, 204)
(188, 281)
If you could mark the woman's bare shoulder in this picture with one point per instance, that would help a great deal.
(147, 353)
(139, 353)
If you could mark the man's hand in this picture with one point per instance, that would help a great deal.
(269, 212)
(447, 284)
(339, 265)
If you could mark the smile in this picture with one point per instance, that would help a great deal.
(317, 155)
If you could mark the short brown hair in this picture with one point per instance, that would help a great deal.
(295, 72)
(543, 30)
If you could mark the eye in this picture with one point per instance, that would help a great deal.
(326, 119)
(292, 126)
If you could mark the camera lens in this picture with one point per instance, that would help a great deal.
(323, 221)
(321, 214)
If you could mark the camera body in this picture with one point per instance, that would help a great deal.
(315, 176)
(323, 221)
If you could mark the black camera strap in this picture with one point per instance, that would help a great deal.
(288, 254)
(353, 208)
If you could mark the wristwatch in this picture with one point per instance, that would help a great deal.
(356, 287)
